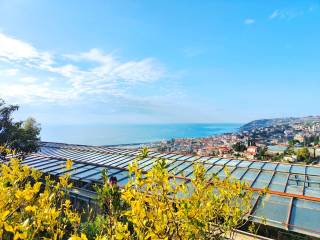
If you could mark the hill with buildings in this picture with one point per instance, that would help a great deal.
(262, 123)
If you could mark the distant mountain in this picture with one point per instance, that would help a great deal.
(278, 121)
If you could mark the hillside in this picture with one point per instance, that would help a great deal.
(278, 121)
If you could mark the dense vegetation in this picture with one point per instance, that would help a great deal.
(23, 136)
(152, 205)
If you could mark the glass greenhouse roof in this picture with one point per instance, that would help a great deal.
(292, 201)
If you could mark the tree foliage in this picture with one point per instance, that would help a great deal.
(22, 137)
(239, 147)
(303, 154)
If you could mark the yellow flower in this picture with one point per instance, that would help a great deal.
(31, 208)
(75, 237)
(69, 164)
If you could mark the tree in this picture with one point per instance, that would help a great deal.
(239, 147)
(7, 126)
(292, 142)
(22, 137)
(262, 153)
(303, 154)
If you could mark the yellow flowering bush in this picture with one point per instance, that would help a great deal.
(33, 206)
(156, 205)
(152, 205)
(164, 207)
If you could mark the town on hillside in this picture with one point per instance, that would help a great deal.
(286, 140)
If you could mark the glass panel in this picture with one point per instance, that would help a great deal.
(126, 160)
(214, 169)
(222, 161)
(113, 161)
(244, 164)
(112, 171)
(192, 159)
(176, 156)
(298, 169)
(305, 216)
(30, 159)
(54, 168)
(174, 165)
(99, 159)
(295, 184)
(73, 169)
(294, 189)
(313, 170)
(181, 167)
(213, 160)
(283, 167)
(94, 177)
(96, 171)
(250, 175)
(312, 192)
(263, 179)
(150, 154)
(257, 165)
(50, 165)
(184, 157)
(222, 174)
(203, 159)
(39, 162)
(121, 175)
(270, 166)
(170, 155)
(313, 181)
(279, 182)
(238, 173)
(274, 209)
(123, 181)
(145, 163)
(188, 170)
(147, 167)
(233, 163)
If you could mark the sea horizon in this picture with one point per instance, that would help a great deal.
(137, 133)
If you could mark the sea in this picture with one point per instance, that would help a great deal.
(117, 134)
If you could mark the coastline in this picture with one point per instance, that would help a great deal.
(132, 135)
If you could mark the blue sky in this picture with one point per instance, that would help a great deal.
(89, 62)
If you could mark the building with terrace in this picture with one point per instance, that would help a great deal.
(291, 204)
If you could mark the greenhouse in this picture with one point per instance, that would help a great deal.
(292, 201)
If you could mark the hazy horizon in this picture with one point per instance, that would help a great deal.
(114, 134)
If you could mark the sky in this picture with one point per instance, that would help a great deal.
(101, 62)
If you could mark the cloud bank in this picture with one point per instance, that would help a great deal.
(32, 75)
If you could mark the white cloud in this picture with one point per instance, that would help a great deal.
(274, 14)
(28, 80)
(10, 72)
(291, 13)
(37, 93)
(249, 21)
(12, 49)
(87, 75)
(109, 67)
